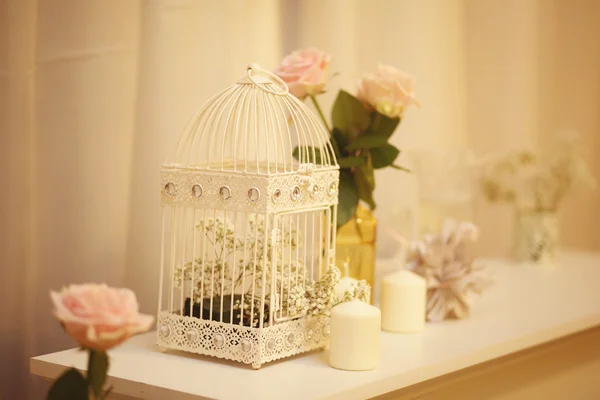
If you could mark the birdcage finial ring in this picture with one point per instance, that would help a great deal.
(256, 69)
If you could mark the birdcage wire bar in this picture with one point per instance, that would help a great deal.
(249, 203)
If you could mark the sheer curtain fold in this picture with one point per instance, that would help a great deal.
(69, 95)
(189, 51)
(85, 80)
(425, 38)
(504, 59)
(17, 161)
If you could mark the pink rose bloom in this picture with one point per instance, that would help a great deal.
(305, 72)
(99, 317)
(388, 90)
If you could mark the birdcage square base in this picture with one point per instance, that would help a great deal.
(244, 344)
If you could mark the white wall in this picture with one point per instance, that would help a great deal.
(534, 68)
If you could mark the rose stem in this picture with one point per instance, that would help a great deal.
(318, 107)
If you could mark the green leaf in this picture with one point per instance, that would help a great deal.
(336, 146)
(348, 198)
(382, 124)
(401, 168)
(350, 162)
(368, 140)
(384, 156)
(71, 385)
(97, 369)
(309, 154)
(349, 115)
(341, 140)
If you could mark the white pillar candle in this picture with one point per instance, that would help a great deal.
(354, 343)
(403, 298)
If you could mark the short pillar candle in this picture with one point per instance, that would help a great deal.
(403, 299)
(354, 343)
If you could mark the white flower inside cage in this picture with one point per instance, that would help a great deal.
(291, 277)
(248, 235)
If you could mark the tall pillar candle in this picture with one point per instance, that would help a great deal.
(403, 299)
(354, 343)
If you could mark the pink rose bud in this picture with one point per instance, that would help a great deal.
(305, 72)
(388, 90)
(99, 317)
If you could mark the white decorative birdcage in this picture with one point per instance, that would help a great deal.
(249, 214)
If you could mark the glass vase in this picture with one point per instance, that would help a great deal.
(536, 237)
(432, 214)
(445, 180)
(356, 245)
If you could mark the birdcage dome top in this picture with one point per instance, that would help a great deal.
(254, 127)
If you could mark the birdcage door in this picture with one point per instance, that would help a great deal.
(299, 257)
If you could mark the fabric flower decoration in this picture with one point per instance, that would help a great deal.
(446, 264)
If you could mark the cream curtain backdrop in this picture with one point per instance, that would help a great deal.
(94, 94)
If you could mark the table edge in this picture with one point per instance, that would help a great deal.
(406, 379)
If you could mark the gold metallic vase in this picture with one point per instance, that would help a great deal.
(356, 245)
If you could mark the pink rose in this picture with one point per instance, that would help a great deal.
(389, 91)
(305, 72)
(99, 317)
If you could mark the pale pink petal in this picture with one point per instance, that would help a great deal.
(388, 90)
(99, 317)
(305, 72)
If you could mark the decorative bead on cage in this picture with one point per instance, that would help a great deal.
(248, 240)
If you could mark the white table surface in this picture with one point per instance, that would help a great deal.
(526, 306)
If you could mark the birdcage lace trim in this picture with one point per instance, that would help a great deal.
(226, 191)
(239, 343)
